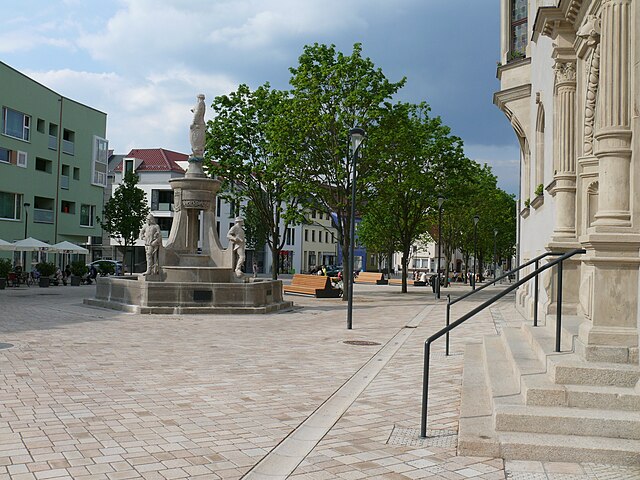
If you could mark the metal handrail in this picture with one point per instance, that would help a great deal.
(427, 344)
(510, 272)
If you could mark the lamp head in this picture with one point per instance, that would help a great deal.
(356, 135)
(476, 219)
(495, 233)
(26, 204)
(440, 201)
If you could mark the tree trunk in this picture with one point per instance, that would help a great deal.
(275, 257)
(405, 264)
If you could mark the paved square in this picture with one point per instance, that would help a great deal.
(95, 394)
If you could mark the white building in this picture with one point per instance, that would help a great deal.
(570, 87)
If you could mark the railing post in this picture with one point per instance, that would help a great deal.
(535, 297)
(559, 308)
(425, 390)
(448, 317)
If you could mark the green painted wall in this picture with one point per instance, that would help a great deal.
(46, 107)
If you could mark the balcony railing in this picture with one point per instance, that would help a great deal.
(42, 216)
(53, 142)
(64, 182)
(68, 147)
(164, 207)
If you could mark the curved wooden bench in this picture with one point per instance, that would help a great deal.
(316, 285)
(371, 277)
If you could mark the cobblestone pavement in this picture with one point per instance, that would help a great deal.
(94, 394)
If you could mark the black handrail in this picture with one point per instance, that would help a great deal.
(510, 272)
(498, 296)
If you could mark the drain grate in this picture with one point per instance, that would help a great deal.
(365, 343)
(410, 437)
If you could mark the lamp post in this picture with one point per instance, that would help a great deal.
(495, 259)
(440, 202)
(26, 205)
(356, 137)
(476, 219)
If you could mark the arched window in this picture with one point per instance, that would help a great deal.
(539, 169)
(519, 12)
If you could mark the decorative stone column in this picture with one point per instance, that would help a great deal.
(610, 277)
(565, 162)
(613, 134)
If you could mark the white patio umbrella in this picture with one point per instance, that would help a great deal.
(4, 245)
(68, 247)
(30, 245)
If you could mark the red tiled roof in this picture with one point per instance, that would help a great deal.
(156, 160)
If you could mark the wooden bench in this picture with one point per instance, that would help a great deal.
(371, 277)
(317, 285)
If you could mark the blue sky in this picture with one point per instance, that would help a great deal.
(143, 61)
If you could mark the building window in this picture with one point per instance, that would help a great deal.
(165, 225)
(68, 207)
(290, 238)
(5, 155)
(218, 206)
(21, 159)
(10, 206)
(76, 173)
(313, 214)
(43, 210)
(40, 125)
(519, 12)
(326, 237)
(313, 235)
(15, 124)
(306, 235)
(540, 146)
(53, 136)
(87, 215)
(162, 200)
(100, 161)
(68, 141)
(44, 165)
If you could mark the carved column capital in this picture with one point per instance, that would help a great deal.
(565, 72)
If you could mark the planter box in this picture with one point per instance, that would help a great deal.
(3, 283)
(44, 282)
(75, 281)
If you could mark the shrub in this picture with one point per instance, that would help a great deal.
(106, 268)
(5, 267)
(527, 203)
(46, 269)
(78, 268)
(539, 190)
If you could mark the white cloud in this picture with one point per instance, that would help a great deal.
(153, 112)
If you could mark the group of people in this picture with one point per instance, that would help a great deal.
(320, 270)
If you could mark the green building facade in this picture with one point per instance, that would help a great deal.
(53, 163)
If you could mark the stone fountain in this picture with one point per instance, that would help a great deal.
(179, 277)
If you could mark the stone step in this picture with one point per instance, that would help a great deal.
(562, 448)
(476, 436)
(568, 421)
(572, 370)
(498, 367)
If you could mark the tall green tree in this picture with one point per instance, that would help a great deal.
(241, 150)
(410, 146)
(332, 93)
(124, 214)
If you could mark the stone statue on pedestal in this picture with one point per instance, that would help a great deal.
(150, 233)
(197, 129)
(236, 237)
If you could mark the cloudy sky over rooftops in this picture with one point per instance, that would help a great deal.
(143, 61)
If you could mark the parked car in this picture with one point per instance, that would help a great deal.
(107, 267)
(332, 270)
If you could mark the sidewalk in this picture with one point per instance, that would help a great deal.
(94, 394)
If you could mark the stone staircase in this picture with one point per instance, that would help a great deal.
(523, 401)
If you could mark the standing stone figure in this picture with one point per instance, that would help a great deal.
(150, 233)
(236, 237)
(197, 130)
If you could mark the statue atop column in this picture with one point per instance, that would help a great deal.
(197, 130)
(152, 237)
(237, 239)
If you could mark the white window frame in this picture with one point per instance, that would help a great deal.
(100, 157)
(21, 159)
(92, 214)
(26, 124)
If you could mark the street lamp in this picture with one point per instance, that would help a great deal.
(356, 137)
(495, 236)
(26, 217)
(26, 205)
(476, 219)
(440, 202)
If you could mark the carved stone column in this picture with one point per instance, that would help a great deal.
(610, 277)
(613, 134)
(565, 174)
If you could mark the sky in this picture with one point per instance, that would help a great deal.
(144, 61)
